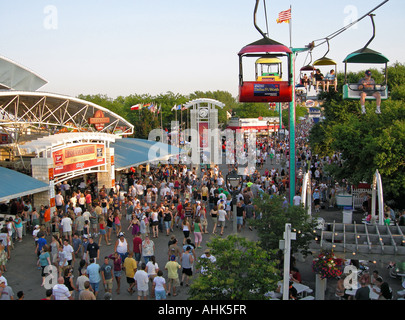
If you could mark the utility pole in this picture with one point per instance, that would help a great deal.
(285, 245)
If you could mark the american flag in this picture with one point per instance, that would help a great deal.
(284, 16)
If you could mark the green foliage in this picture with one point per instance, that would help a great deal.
(396, 75)
(242, 271)
(275, 214)
(144, 121)
(300, 111)
(254, 110)
(225, 97)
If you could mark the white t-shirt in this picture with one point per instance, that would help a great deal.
(68, 252)
(142, 280)
(66, 224)
(58, 200)
(152, 268)
(297, 200)
(159, 282)
(221, 215)
(86, 215)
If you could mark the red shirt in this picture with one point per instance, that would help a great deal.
(179, 208)
(88, 198)
(137, 243)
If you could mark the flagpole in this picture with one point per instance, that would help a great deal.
(161, 120)
(290, 27)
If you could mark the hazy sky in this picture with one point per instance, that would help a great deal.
(127, 47)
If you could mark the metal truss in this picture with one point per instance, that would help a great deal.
(53, 113)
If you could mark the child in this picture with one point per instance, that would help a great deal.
(35, 234)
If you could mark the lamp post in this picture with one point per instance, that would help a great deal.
(233, 180)
(285, 245)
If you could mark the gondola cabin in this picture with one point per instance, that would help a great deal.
(365, 56)
(266, 88)
(269, 69)
(326, 66)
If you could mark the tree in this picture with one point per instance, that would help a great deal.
(300, 111)
(276, 212)
(254, 110)
(242, 271)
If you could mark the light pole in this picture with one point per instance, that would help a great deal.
(285, 245)
(233, 180)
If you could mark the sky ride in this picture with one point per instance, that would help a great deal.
(265, 88)
(353, 91)
(262, 90)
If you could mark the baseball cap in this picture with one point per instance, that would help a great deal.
(368, 73)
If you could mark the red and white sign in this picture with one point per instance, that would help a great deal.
(99, 120)
(78, 157)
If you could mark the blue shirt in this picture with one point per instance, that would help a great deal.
(93, 271)
(41, 242)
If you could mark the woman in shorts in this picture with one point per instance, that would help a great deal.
(214, 216)
(159, 286)
(186, 229)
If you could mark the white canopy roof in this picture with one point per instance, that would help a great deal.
(48, 142)
(16, 77)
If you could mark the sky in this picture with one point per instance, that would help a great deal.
(124, 47)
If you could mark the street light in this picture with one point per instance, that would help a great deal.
(233, 179)
(285, 245)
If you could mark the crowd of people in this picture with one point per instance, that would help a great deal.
(174, 201)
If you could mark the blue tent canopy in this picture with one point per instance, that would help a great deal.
(15, 184)
(131, 152)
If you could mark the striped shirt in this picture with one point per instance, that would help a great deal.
(61, 292)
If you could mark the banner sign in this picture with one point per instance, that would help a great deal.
(267, 89)
(203, 133)
(78, 158)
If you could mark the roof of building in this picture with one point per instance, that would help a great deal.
(132, 152)
(15, 184)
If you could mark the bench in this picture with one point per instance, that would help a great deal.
(351, 91)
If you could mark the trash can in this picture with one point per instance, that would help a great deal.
(347, 215)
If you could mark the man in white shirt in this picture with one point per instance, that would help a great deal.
(66, 223)
(59, 200)
(222, 216)
(77, 209)
(207, 255)
(86, 216)
(142, 282)
(68, 250)
(139, 189)
(60, 291)
(297, 199)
